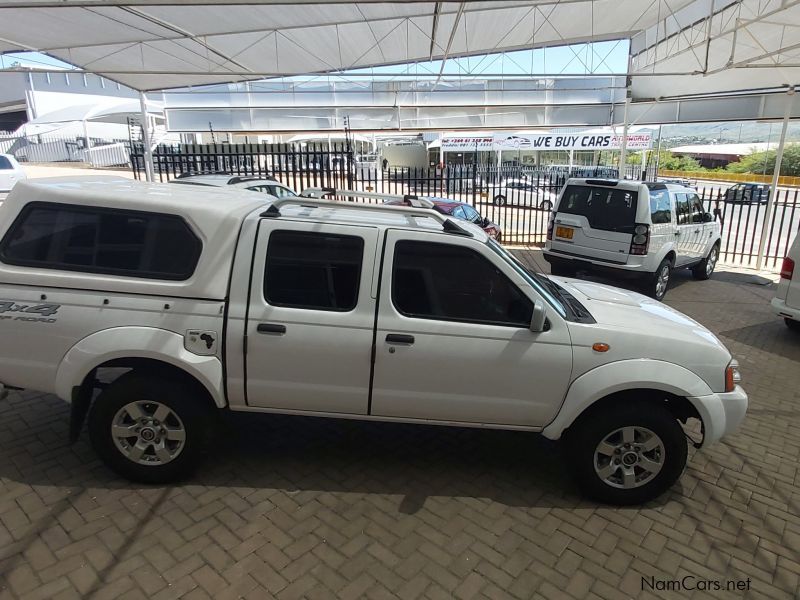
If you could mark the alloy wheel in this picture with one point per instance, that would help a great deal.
(629, 457)
(662, 281)
(148, 432)
(711, 261)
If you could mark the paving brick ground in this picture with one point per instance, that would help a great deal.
(291, 508)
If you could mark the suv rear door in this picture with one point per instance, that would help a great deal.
(310, 317)
(595, 221)
(453, 341)
(688, 233)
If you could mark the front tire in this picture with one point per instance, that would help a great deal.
(499, 200)
(705, 268)
(656, 284)
(150, 429)
(792, 324)
(626, 453)
(546, 205)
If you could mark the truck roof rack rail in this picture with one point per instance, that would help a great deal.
(311, 198)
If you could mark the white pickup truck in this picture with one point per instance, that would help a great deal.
(203, 300)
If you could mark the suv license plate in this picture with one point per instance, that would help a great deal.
(564, 232)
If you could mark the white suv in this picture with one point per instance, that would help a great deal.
(631, 229)
(786, 302)
(253, 183)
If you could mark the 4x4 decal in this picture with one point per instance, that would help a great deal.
(38, 313)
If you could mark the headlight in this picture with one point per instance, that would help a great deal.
(732, 375)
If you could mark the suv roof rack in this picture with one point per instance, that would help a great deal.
(311, 198)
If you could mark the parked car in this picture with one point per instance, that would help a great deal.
(10, 173)
(786, 302)
(264, 185)
(678, 181)
(747, 193)
(631, 229)
(153, 308)
(459, 210)
(521, 192)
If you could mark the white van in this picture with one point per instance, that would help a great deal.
(631, 229)
(786, 302)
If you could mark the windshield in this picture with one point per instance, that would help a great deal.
(606, 208)
(535, 280)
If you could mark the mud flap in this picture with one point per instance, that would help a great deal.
(81, 400)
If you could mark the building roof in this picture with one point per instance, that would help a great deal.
(724, 149)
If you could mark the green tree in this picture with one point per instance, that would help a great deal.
(674, 162)
(764, 162)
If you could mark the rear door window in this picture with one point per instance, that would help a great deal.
(5, 164)
(660, 209)
(606, 208)
(310, 270)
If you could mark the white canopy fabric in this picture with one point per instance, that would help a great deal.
(679, 48)
(117, 112)
(161, 44)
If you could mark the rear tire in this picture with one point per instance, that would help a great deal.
(705, 268)
(499, 200)
(149, 429)
(546, 205)
(626, 453)
(656, 285)
(792, 324)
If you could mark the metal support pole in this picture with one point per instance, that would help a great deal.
(148, 151)
(773, 190)
(571, 160)
(658, 152)
(624, 149)
(88, 142)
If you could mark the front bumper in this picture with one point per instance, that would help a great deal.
(783, 310)
(721, 413)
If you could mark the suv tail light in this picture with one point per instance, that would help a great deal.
(640, 242)
(550, 223)
(787, 268)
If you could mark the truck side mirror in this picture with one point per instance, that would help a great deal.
(538, 317)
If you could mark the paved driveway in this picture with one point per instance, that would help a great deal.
(319, 509)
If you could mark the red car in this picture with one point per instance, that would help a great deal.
(459, 210)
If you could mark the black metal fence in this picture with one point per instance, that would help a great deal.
(517, 198)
